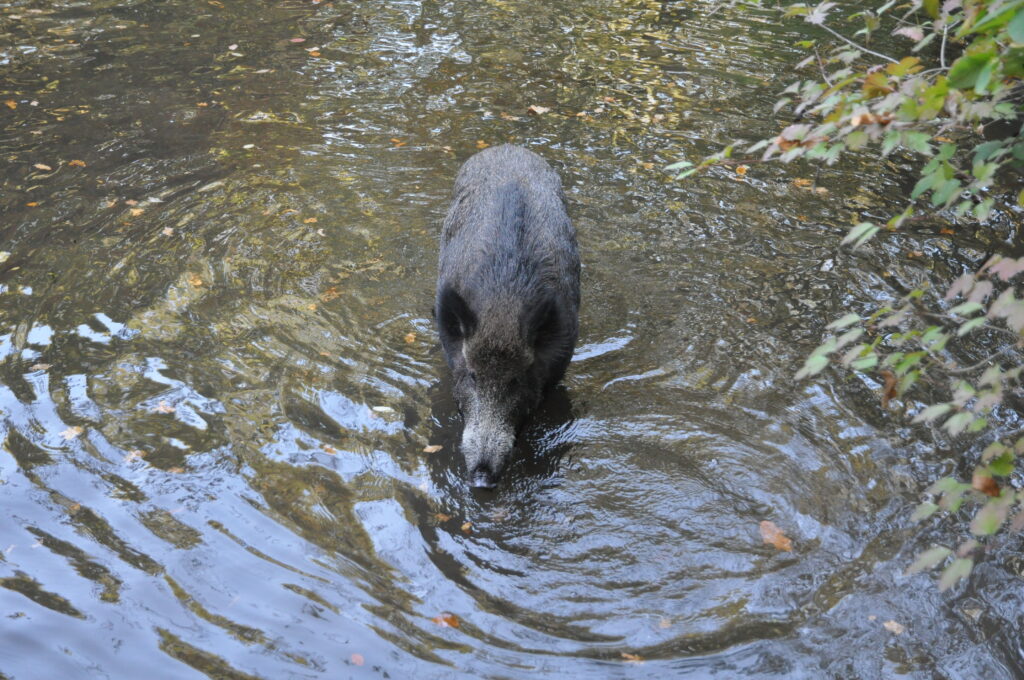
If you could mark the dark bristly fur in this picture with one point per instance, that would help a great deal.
(508, 298)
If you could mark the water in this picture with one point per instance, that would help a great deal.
(219, 371)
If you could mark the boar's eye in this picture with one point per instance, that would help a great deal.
(456, 319)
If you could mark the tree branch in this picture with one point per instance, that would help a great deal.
(859, 47)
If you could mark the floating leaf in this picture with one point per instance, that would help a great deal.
(773, 535)
(446, 620)
(894, 627)
(433, 448)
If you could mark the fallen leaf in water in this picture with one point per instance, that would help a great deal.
(772, 535)
(328, 449)
(168, 231)
(135, 212)
(481, 144)
(538, 110)
(131, 201)
(914, 254)
(398, 142)
(889, 388)
(446, 620)
(314, 53)
(133, 454)
(233, 46)
(309, 220)
(742, 169)
(11, 104)
(72, 432)
(357, 659)
(945, 140)
(31, 204)
(297, 40)
(609, 100)
(176, 470)
(195, 280)
(410, 338)
(38, 367)
(330, 294)
(441, 517)
(802, 183)
(433, 448)
(894, 627)
(751, 319)
(507, 116)
(947, 231)
(820, 190)
(163, 407)
(632, 658)
(311, 306)
(466, 527)
(42, 166)
(985, 484)
(76, 164)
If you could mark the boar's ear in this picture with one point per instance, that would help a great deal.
(544, 329)
(454, 316)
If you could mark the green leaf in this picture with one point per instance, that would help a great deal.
(983, 209)
(1003, 465)
(988, 520)
(969, 326)
(844, 321)
(861, 233)
(978, 424)
(928, 559)
(1016, 28)
(932, 412)
(984, 76)
(813, 366)
(687, 173)
(965, 71)
(924, 511)
(917, 141)
(967, 308)
(679, 164)
(957, 570)
(865, 363)
(958, 423)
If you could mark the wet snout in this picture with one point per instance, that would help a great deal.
(487, 447)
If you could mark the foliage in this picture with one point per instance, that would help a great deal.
(938, 107)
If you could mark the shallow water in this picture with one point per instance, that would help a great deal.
(219, 371)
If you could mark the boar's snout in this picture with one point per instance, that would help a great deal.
(486, 448)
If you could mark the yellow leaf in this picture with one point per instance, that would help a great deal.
(433, 448)
(42, 166)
